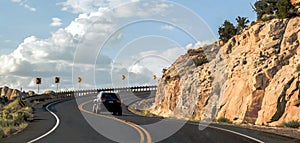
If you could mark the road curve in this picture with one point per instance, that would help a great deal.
(54, 127)
(138, 128)
(75, 128)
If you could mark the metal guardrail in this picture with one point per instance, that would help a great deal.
(65, 94)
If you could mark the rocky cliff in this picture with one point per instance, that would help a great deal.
(254, 78)
(9, 93)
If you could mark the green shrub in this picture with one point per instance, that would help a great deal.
(269, 9)
(13, 105)
(292, 124)
(242, 23)
(223, 120)
(284, 8)
(1, 134)
(13, 117)
(226, 31)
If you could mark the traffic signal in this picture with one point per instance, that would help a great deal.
(79, 79)
(38, 80)
(57, 79)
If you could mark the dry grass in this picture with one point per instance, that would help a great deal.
(13, 118)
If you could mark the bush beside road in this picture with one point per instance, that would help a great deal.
(14, 118)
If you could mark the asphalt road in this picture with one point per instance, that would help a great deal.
(78, 124)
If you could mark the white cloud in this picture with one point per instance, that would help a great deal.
(24, 4)
(56, 22)
(138, 69)
(81, 6)
(54, 56)
(88, 6)
(121, 8)
(16, 1)
(29, 7)
(167, 27)
(71, 51)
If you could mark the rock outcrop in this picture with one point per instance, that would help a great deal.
(10, 94)
(295, 2)
(259, 84)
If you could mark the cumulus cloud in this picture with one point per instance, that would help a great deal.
(88, 6)
(82, 6)
(56, 22)
(24, 4)
(74, 50)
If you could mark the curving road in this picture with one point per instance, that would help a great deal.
(75, 120)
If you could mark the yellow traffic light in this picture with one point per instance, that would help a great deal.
(57, 79)
(38, 80)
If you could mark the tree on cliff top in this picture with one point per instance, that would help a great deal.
(226, 31)
(269, 9)
(242, 23)
(285, 9)
(263, 8)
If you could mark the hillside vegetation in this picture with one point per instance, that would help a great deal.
(13, 118)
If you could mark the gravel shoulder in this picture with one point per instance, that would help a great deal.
(142, 108)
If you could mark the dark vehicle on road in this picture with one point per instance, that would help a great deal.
(110, 101)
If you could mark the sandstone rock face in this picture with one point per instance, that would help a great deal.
(184, 86)
(10, 94)
(30, 93)
(294, 2)
(261, 68)
(49, 92)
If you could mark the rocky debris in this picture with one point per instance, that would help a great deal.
(258, 81)
(145, 104)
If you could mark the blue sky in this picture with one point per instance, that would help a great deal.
(19, 23)
(50, 36)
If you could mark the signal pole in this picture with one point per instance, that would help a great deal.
(57, 80)
(38, 81)
(79, 81)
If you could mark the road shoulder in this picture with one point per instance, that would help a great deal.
(43, 122)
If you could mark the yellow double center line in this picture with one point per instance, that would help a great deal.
(138, 128)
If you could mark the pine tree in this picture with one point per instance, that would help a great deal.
(226, 31)
(242, 23)
(284, 8)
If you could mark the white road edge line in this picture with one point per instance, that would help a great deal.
(237, 133)
(55, 126)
